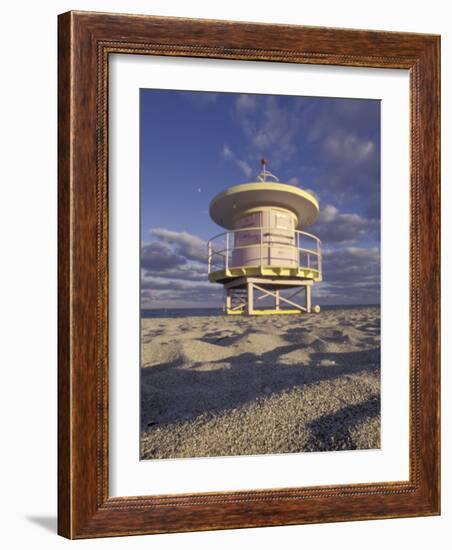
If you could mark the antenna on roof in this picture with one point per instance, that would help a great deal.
(264, 174)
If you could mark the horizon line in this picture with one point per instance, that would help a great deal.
(220, 307)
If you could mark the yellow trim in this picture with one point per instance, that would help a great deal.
(276, 311)
(265, 312)
(265, 187)
(233, 272)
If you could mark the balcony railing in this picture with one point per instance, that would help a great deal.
(262, 248)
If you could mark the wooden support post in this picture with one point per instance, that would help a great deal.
(267, 292)
(308, 298)
(277, 299)
(228, 299)
(250, 298)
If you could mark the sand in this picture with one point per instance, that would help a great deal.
(222, 386)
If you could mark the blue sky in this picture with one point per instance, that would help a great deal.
(195, 144)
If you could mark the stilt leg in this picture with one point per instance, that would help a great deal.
(250, 298)
(277, 299)
(228, 300)
(308, 299)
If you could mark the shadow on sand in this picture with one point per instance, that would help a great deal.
(174, 392)
(333, 432)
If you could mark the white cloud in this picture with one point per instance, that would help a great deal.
(159, 256)
(271, 129)
(242, 164)
(336, 227)
(173, 294)
(227, 153)
(174, 271)
(311, 192)
(186, 271)
(245, 102)
(187, 245)
(245, 167)
(161, 283)
(351, 275)
(328, 214)
(349, 148)
(295, 181)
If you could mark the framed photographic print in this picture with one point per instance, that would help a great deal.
(248, 275)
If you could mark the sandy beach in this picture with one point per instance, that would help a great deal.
(222, 386)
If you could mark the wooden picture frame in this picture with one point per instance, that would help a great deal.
(85, 42)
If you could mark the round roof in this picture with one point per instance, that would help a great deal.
(225, 206)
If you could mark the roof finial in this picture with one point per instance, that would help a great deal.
(265, 173)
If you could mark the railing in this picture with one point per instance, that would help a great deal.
(262, 247)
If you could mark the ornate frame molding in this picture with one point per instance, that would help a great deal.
(85, 42)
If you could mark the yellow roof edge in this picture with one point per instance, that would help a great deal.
(265, 186)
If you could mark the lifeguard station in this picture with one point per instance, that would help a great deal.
(265, 249)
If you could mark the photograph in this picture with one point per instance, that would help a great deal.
(259, 274)
(224, 234)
